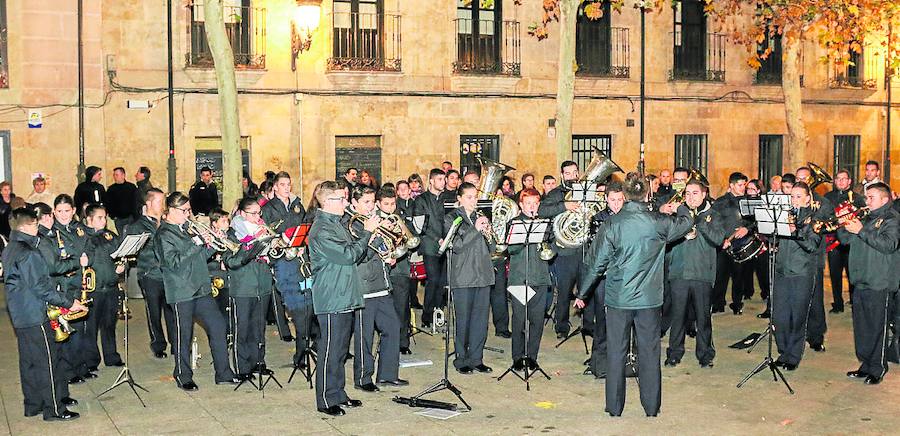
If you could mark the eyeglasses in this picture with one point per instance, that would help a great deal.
(253, 213)
(186, 210)
(336, 199)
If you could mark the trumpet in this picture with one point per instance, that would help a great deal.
(88, 283)
(60, 317)
(217, 240)
(845, 213)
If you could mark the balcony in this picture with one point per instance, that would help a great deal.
(605, 58)
(365, 42)
(246, 30)
(856, 73)
(698, 57)
(487, 47)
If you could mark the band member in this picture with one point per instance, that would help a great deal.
(759, 264)
(286, 208)
(399, 272)
(839, 256)
(795, 266)
(29, 290)
(73, 235)
(405, 207)
(250, 288)
(538, 279)
(567, 264)
(337, 292)
(429, 208)
(102, 319)
(631, 255)
(378, 312)
(615, 199)
(182, 260)
(873, 272)
(728, 208)
(691, 275)
(218, 273)
(471, 278)
(149, 275)
(822, 210)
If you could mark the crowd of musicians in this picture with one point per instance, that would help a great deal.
(649, 255)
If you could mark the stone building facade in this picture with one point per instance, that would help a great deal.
(397, 86)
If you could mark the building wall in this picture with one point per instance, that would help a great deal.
(419, 113)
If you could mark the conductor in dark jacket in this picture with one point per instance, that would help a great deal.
(471, 278)
(632, 254)
(204, 194)
(28, 291)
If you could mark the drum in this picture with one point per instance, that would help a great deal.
(746, 248)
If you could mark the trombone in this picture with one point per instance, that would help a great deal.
(217, 240)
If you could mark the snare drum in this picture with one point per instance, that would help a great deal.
(747, 248)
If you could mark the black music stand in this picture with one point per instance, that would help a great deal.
(526, 232)
(128, 248)
(771, 220)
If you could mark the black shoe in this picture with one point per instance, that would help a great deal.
(505, 335)
(484, 369)
(764, 315)
(287, 338)
(119, 363)
(416, 305)
(532, 364)
(77, 380)
(90, 375)
(245, 377)
(405, 350)
(819, 348)
(718, 309)
(231, 381)
(352, 403)
(333, 411)
(160, 355)
(189, 386)
(613, 415)
(398, 382)
(738, 310)
(561, 335)
(32, 414)
(93, 369)
(519, 365)
(464, 370)
(706, 364)
(857, 374)
(68, 415)
(69, 401)
(779, 363)
(368, 387)
(692, 332)
(671, 363)
(872, 380)
(836, 310)
(790, 366)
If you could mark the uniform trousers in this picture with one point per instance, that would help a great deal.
(838, 262)
(568, 268)
(306, 328)
(499, 304)
(72, 354)
(248, 326)
(535, 325)
(599, 347)
(870, 313)
(436, 279)
(43, 386)
(157, 309)
(333, 346)
(205, 310)
(646, 323)
(684, 294)
(727, 269)
(400, 287)
(790, 309)
(377, 314)
(101, 321)
(815, 331)
(471, 307)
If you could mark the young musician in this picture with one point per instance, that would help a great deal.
(631, 254)
(337, 292)
(250, 287)
(399, 274)
(221, 222)
(874, 274)
(795, 268)
(471, 278)
(823, 209)
(429, 208)
(28, 291)
(728, 208)
(182, 259)
(378, 311)
(150, 277)
(692, 273)
(286, 208)
(538, 279)
(102, 319)
(839, 256)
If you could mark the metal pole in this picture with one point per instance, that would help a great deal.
(171, 162)
(643, 84)
(888, 78)
(81, 166)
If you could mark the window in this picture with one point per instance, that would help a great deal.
(6, 159)
(485, 44)
(246, 30)
(365, 38)
(858, 71)
(473, 146)
(583, 148)
(690, 152)
(770, 156)
(4, 51)
(208, 153)
(697, 55)
(360, 152)
(600, 50)
(769, 72)
(846, 154)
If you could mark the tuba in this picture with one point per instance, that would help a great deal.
(679, 187)
(817, 176)
(503, 209)
(572, 228)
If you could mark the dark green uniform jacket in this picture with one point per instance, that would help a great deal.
(632, 254)
(183, 264)
(695, 258)
(248, 275)
(74, 237)
(290, 216)
(100, 244)
(874, 261)
(538, 270)
(372, 270)
(798, 255)
(146, 258)
(337, 286)
(471, 263)
(27, 282)
(431, 207)
(58, 266)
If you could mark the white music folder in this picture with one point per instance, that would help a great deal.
(522, 293)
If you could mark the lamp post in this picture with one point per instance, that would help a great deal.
(304, 23)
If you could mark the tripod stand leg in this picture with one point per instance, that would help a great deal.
(762, 365)
(765, 333)
(776, 371)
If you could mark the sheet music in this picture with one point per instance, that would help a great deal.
(418, 223)
(130, 245)
(521, 293)
(535, 231)
(767, 224)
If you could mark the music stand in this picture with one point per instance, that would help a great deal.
(128, 248)
(526, 232)
(772, 220)
(308, 357)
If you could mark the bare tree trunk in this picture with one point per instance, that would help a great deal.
(223, 58)
(797, 138)
(565, 85)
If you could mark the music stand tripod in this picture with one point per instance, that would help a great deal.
(444, 383)
(308, 357)
(771, 220)
(526, 233)
(125, 252)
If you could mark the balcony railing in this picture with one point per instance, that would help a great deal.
(487, 47)
(246, 30)
(606, 60)
(860, 75)
(698, 56)
(365, 42)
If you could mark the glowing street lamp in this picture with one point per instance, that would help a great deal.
(304, 23)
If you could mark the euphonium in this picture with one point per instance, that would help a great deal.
(88, 283)
(572, 228)
(503, 209)
(217, 240)
(386, 241)
(817, 176)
